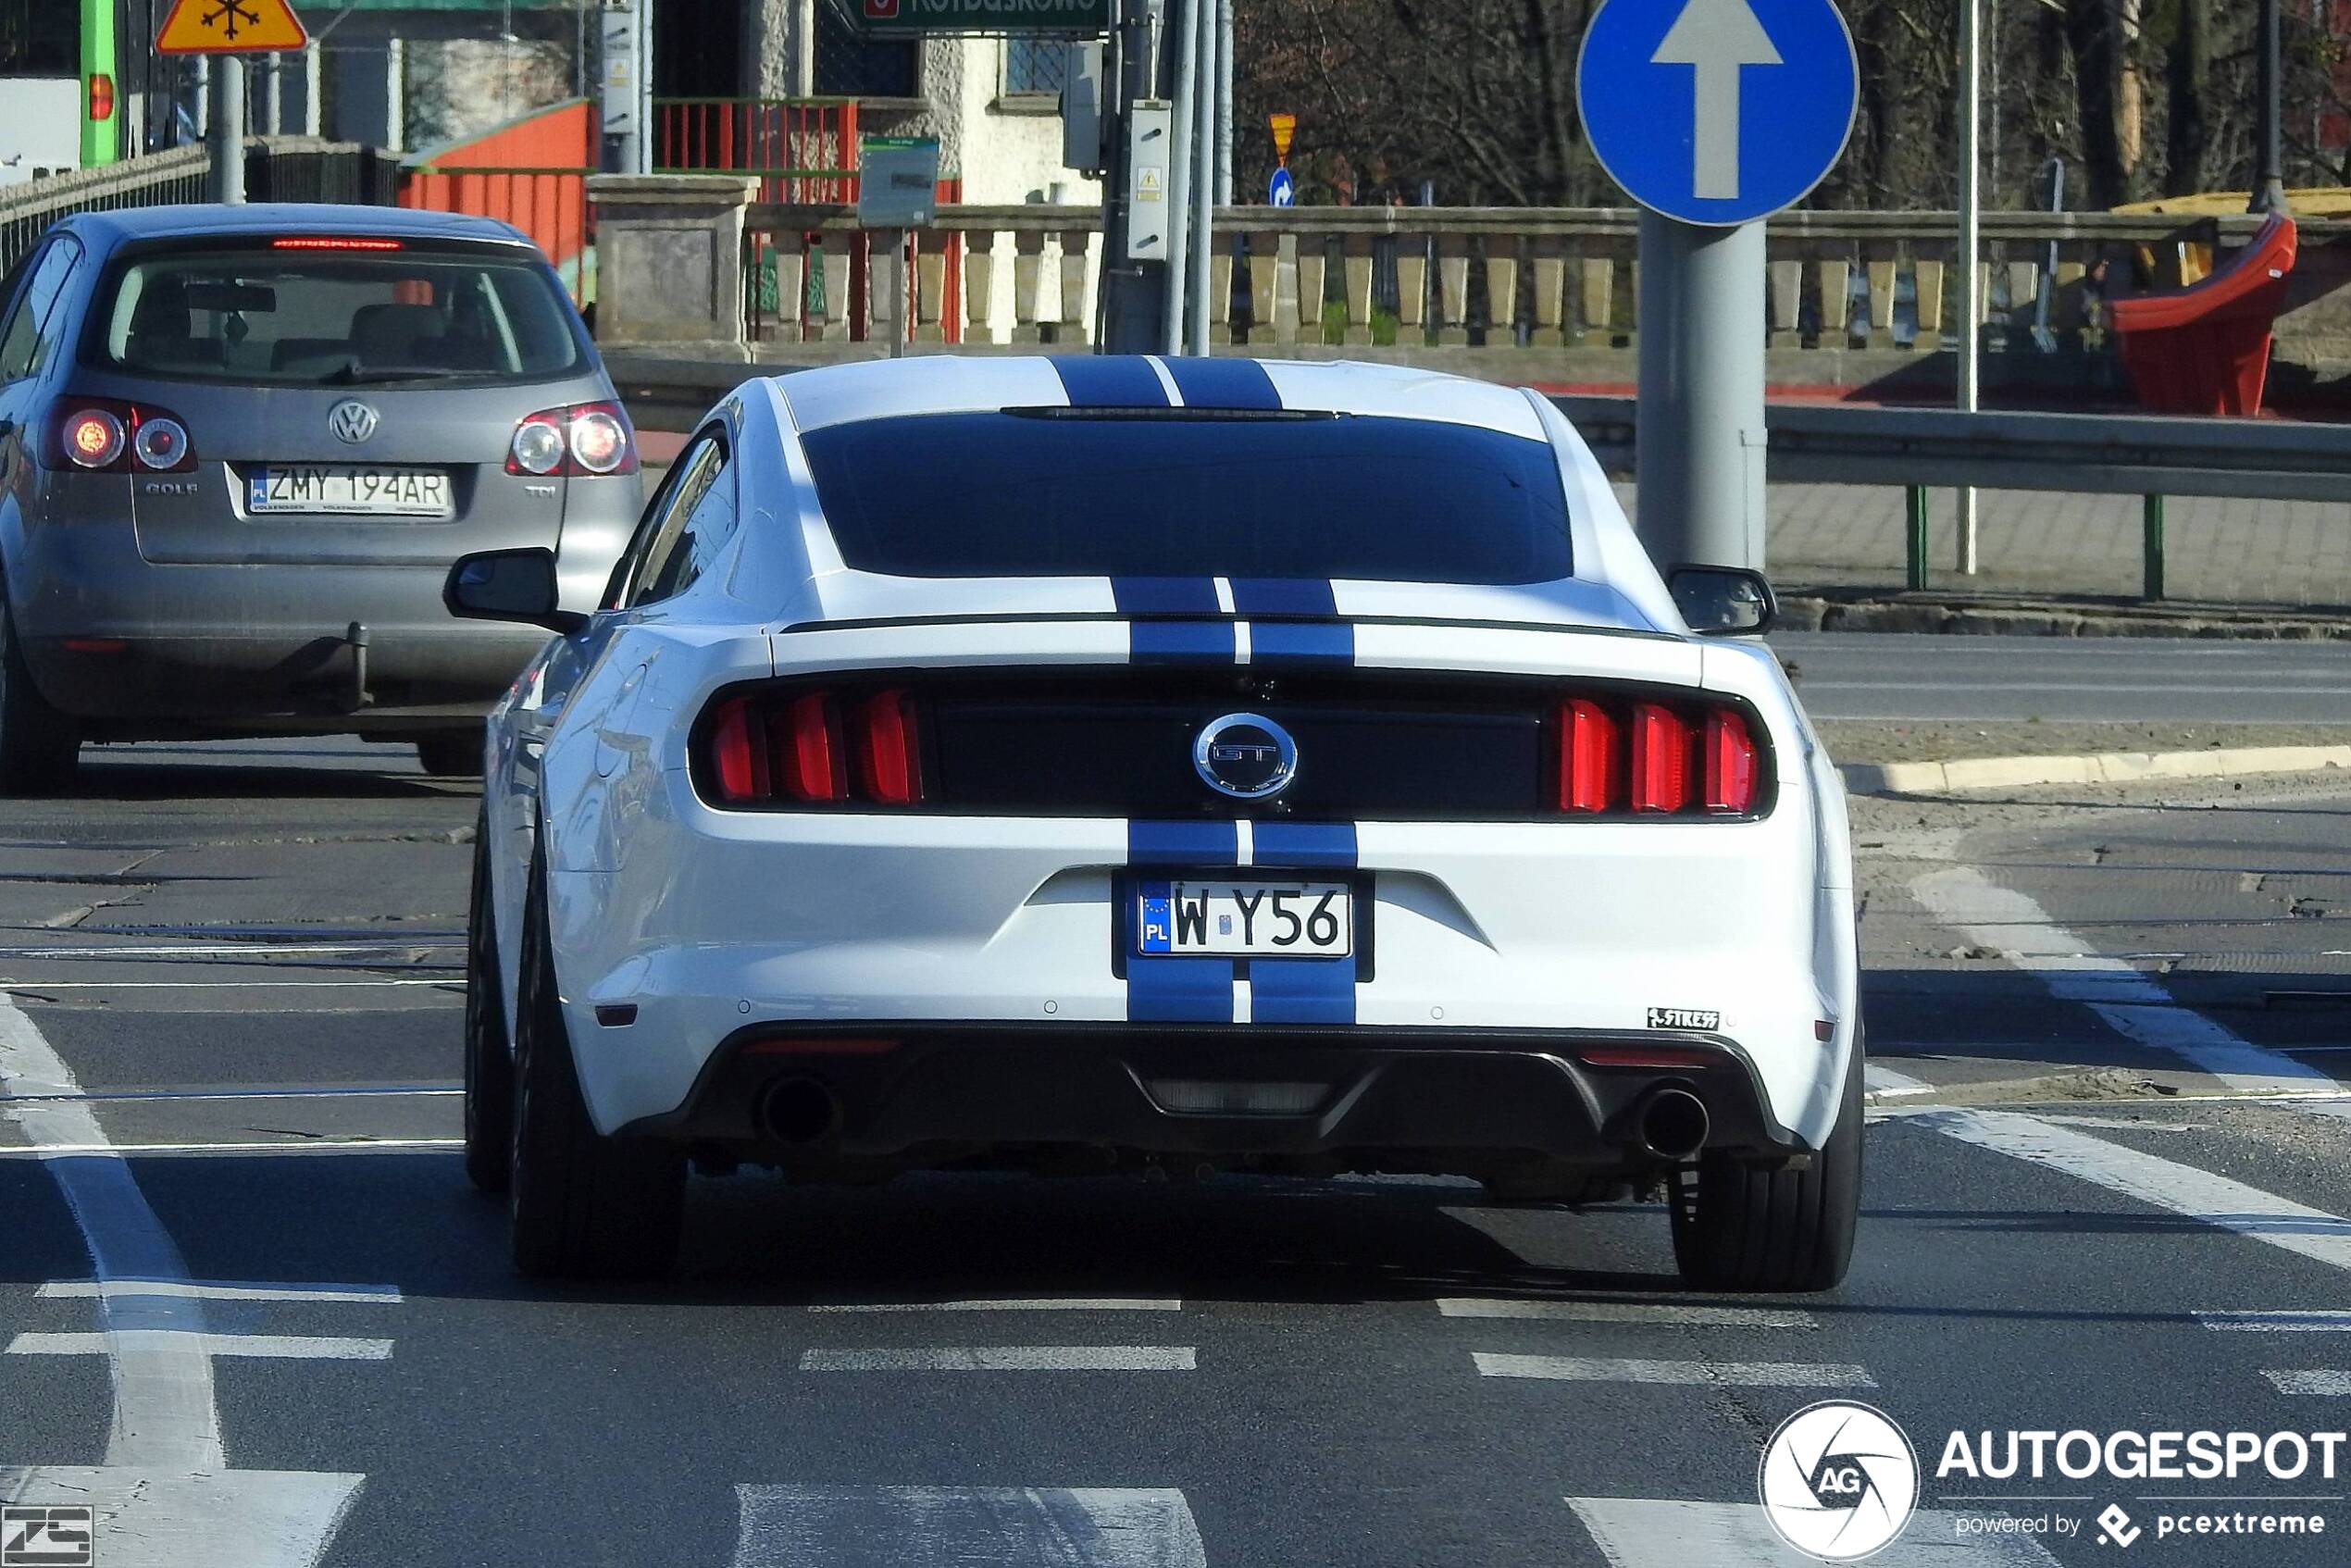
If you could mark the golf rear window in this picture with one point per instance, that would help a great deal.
(308, 310)
(1013, 495)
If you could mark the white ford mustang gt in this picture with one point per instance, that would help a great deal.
(1087, 763)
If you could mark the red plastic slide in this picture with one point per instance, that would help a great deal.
(2205, 349)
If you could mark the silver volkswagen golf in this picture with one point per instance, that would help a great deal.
(239, 448)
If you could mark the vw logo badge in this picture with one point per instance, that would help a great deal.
(1246, 756)
(352, 421)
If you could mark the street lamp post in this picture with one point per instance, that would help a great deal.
(2268, 179)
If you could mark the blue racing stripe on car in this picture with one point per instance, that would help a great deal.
(1110, 380)
(1283, 596)
(1176, 991)
(1305, 991)
(1181, 643)
(1300, 642)
(1193, 845)
(1301, 991)
(1291, 844)
(1222, 383)
(1165, 595)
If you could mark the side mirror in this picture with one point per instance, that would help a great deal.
(509, 585)
(1723, 600)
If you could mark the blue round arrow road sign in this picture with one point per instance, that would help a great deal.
(1282, 191)
(1717, 111)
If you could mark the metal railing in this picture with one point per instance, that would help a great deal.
(803, 150)
(282, 168)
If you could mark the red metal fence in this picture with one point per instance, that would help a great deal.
(803, 150)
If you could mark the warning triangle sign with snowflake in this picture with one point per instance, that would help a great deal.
(230, 26)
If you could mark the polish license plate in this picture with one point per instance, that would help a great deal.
(362, 488)
(1244, 919)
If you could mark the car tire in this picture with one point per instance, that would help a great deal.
(490, 1066)
(38, 747)
(454, 756)
(584, 1206)
(1738, 1228)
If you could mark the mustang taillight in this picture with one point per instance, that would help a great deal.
(107, 435)
(584, 440)
(817, 748)
(1656, 759)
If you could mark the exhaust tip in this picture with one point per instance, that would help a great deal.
(1673, 1124)
(799, 1111)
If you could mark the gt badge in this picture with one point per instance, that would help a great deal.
(1684, 1018)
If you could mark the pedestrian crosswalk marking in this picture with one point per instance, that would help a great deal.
(2277, 1323)
(1668, 1313)
(2165, 1183)
(1697, 1373)
(788, 1527)
(210, 1290)
(1004, 1358)
(1656, 1533)
(1032, 1304)
(2331, 1384)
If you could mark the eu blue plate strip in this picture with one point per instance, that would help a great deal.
(1165, 595)
(1283, 596)
(1302, 642)
(1176, 991)
(1222, 383)
(1181, 643)
(1110, 380)
(1304, 990)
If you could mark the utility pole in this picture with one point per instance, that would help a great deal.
(227, 130)
(1206, 175)
(2268, 179)
(1971, 248)
(1180, 174)
(1223, 103)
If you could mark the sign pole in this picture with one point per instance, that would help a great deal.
(1204, 176)
(1970, 366)
(1180, 175)
(226, 131)
(1700, 448)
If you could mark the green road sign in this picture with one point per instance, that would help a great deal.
(982, 15)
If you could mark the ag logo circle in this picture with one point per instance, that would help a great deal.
(1838, 1480)
(1246, 756)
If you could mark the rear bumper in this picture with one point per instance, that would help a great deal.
(1457, 1100)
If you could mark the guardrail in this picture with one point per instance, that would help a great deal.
(2146, 455)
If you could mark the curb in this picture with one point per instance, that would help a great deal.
(2096, 767)
(1815, 610)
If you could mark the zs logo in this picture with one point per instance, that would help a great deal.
(36, 1537)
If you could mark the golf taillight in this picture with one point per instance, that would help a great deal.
(1655, 758)
(585, 439)
(814, 748)
(107, 435)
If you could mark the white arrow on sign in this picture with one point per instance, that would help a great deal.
(1718, 37)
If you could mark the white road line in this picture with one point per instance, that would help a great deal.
(943, 1526)
(1666, 1313)
(259, 1347)
(1654, 1533)
(214, 985)
(2277, 1323)
(1883, 1080)
(2327, 1385)
(1004, 1358)
(1028, 1304)
(288, 1146)
(207, 1290)
(164, 1498)
(2130, 1002)
(2165, 1183)
(1693, 1373)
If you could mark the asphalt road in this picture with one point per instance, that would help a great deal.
(239, 968)
(1895, 675)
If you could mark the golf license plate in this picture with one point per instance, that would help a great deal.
(366, 489)
(1214, 916)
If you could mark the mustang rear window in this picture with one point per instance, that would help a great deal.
(1010, 495)
(252, 311)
